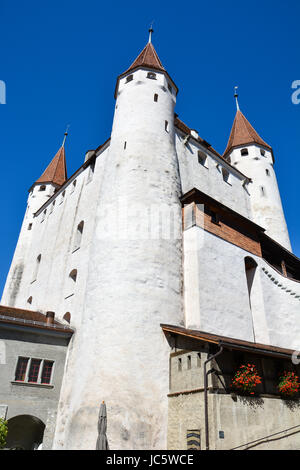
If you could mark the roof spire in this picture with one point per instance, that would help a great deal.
(236, 98)
(150, 32)
(65, 135)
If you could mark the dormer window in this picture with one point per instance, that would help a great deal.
(151, 75)
(225, 174)
(244, 152)
(202, 158)
(129, 78)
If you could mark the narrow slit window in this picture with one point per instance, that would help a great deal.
(29, 226)
(166, 126)
(267, 172)
(189, 362)
(179, 364)
(156, 97)
(37, 267)
(125, 145)
(262, 191)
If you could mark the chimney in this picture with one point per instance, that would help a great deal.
(50, 318)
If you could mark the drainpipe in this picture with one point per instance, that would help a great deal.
(205, 396)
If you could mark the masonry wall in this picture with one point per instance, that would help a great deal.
(40, 401)
(233, 420)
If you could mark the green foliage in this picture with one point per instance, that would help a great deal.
(3, 432)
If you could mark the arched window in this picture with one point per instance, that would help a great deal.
(37, 267)
(73, 186)
(73, 275)
(67, 317)
(71, 283)
(250, 270)
(78, 235)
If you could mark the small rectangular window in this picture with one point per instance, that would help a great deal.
(179, 364)
(166, 126)
(215, 218)
(156, 97)
(244, 152)
(189, 362)
(29, 227)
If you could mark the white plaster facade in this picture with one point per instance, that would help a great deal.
(126, 285)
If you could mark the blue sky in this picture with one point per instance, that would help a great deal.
(60, 60)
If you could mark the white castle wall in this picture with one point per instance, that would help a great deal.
(52, 236)
(212, 267)
(264, 194)
(209, 179)
(134, 283)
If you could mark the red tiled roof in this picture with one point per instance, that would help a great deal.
(243, 133)
(147, 58)
(56, 171)
(29, 318)
(227, 342)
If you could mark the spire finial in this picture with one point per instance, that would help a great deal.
(65, 135)
(236, 98)
(151, 31)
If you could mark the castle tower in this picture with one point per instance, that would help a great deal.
(44, 187)
(134, 277)
(252, 156)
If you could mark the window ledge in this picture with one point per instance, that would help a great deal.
(31, 384)
(70, 295)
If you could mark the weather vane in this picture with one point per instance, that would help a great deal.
(65, 135)
(151, 31)
(236, 98)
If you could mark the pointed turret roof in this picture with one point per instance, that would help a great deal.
(242, 133)
(147, 58)
(56, 171)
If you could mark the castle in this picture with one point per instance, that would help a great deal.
(157, 259)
